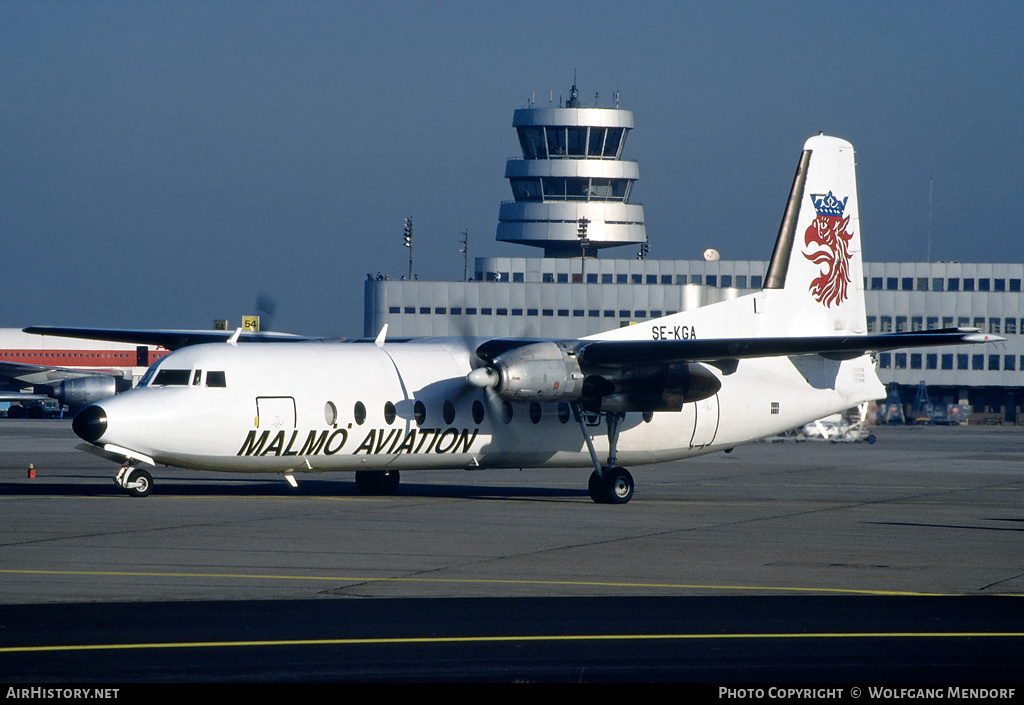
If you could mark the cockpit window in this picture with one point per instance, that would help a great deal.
(148, 376)
(215, 378)
(172, 377)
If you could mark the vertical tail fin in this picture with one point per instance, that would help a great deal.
(816, 266)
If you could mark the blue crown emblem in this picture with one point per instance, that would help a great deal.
(828, 205)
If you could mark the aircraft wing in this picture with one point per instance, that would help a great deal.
(26, 374)
(617, 352)
(171, 339)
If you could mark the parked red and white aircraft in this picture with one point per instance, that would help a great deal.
(80, 366)
(675, 387)
(73, 371)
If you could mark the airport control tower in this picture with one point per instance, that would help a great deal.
(571, 187)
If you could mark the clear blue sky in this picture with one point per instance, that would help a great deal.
(163, 162)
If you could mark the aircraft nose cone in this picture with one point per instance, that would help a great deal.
(90, 423)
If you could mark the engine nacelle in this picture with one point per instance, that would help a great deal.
(538, 372)
(651, 388)
(83, 391)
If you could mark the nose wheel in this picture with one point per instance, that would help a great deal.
(135, 481)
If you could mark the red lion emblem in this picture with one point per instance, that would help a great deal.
(828, 232)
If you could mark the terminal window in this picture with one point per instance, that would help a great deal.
(593, 313)
(609, 313)
(680, 279)
(652, 278)
(1015, 285)
(937, 283)
(1010, 363)
(947, 321)
(993, 362)
(916, 324)
(915, 361)
(563, 278)
(968, 285)
(518, 277)
(486, 312)
(606, 278)
(502, 311)
(961, 361)
(892, 283)
(931, 361)
(666, 278)
(696, 279)
(548, 277)
(876, 283)
(548, 312)
(901, 324)
(641, 314)
(591, 279)
(755, 281)
(655, 314)
(441, 310)
(886, 324)
(900, 360)
(977, 362)
(741, 281)
(577, 313)
(908, 283)
(456, 310)
(983, 285)
(1011, 326)
(638, 278)
(885, 360)
(712, 280)
(531, 312)
(410, 309)
(872, 322)
(922, 283)
(954, 285)
(424, 309)
(933, 322)
(947, 361)
(470, 310)
(993, 326)
(621, 279)
(563, 312)
(394, 309)
(998, 285)
(726, 280)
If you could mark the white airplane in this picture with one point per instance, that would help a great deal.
(684, 385)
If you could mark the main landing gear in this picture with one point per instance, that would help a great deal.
(609, 484)
(135, 481)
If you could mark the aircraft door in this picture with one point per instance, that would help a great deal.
(275, 412)
(705, 426)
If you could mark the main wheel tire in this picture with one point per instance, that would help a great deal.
(144, 481)
(615, 487)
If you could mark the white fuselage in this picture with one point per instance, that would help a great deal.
(309, 407)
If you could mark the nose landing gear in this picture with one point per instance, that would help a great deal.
(135, 481)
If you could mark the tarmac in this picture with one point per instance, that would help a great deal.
(922, 515)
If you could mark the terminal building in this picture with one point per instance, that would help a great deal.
(571, 197)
